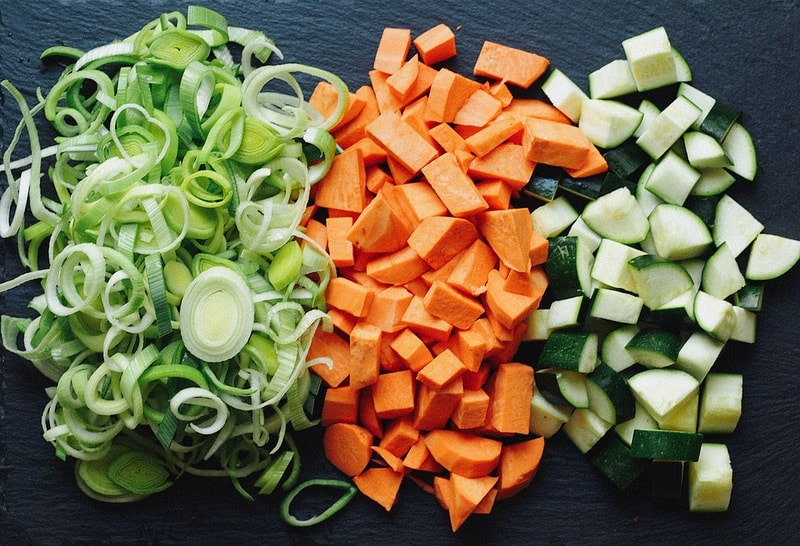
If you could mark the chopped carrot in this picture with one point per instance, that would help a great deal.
(401, 82)
(456, 190)
(340, 406)
(348, 447)
(419, 200)
(337, 349)
(388, 307)
(401, 141)
(377, 177)
(340, 248)
(519, 463)
(538, 283)
(393, 394)
(474, 380)
(467, 494)
(422, 322)
(539, 248)
(365, 340)
(464, 453)
(419, 458)
(390, 360)
(317, 232)
(510, 395)
(387, 458)
(448, 93)
(325, 98)
(470, 347)
(471, 409)
(414, 115)
(380, 484)
(438, 239)
(355, 130)
(595, 164)
(492, 135)
(386, 99)
(443, 489)
(400, 174)
(501, 92)
(496, 193)
(483, 327)
(509, 233)
(435, 406)
(343, 322)
(345, 185)
(478, 110)
(447, 303)
(436, 44)
(471, 268)
(411, 349)
(505, 162)
(349, 296)
(392, 50)
(398, 267)
(399, 436)
(554, 143)
(367, 416)
(518, 282)
(445, 367)
(360, 277)
(515, 66)
(379, 228)
(447, 137)
(534, 108)
(508, 308)
(371, 154)
(486, 505)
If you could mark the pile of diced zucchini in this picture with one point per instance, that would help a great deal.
(653, 269)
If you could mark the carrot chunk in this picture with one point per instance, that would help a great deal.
(464, 453)
(399, 436)
(401, 82)
(505, 162)
(340, 248)
(445, 367)
(478, 110)
(471, 268)
(393, 394)
(435, 406)
(510, 395)
(393, 48)
(447, 303)
(381, 484)
(344, 187)
(496, 192)
(467, 494)
(517, 67)
(348, 447)
(367, 416)
(448, 93)
(397, 268)
(379, 228)
(401, 141)
(456, 190)
(411, 349)
(419, 458)
(422, 322)
(554, 143)
(438, 239)
(388, 307)
(340, 406)
(324, 99)
(492, 135)
(349, 296)
(337, 349)
(436, 44)
(534, 108)
(519, 463)
(365, 341)
(471, 409)
(509, 234)
(507, 308)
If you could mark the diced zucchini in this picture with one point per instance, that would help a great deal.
(771, 256)
(641, 420)
(704, 151)
(683, 418)
(566, 313)
(739, 147)
(714, 315)
(608, 123)
(666, 445)
(673, 178)
(704, 206)
(626, 159)
(700, 99)
(647, 200)
(587, 187)
(568, 350)
(657, 280)
(745, 330)
(609, 395)
(612, 348)
(678, 233)
(662, 390)
(585, 428)
(586, 234)
(611, 80)
(615, 305)
(719, 120)
(676, 313)
(651, 59)
(611, 265)
(613, 458)
(537, 322)
(721, 275)
(711, 479)
(720, 403)
(547, 418)
(668, 127)
(649, 112)
(563, 387)
(654, 347)
(735, 225)
(554, 217)
(683, 72)
(617, 216)
(698, 354)
(564, 94)
(713, 181)
(569, 266)
(544, 182)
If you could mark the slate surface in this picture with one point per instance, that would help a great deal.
(744, 53)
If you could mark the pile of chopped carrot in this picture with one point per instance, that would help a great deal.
(437, 271)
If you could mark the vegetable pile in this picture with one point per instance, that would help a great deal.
(180, 294)
(227, 261)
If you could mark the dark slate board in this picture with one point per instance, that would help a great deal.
(744, 53)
